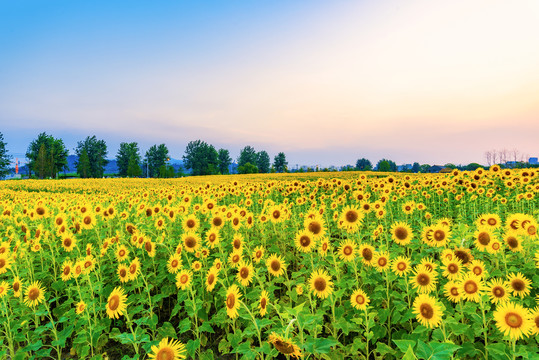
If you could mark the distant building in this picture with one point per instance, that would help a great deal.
(435, 169)
(404, 167)
(533, 161)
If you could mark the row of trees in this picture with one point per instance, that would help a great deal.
(47, 157)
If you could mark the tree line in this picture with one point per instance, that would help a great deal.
(48, 156)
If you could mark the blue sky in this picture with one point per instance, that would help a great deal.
(325, 82)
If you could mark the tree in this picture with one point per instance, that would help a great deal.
(416, 167)
(280, 163)
(386, 165)
(201, 158)
(472, 166)
(133, 167)
(247, 168)
(128, 153)
(263, 162)
(247, 155)
(166, 171)
(83, 165)
(363, 165)
(46, 156)
(155, 158)
(96, 151)
(5, 159)
(224, 161)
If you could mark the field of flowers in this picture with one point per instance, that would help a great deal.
(312, 266)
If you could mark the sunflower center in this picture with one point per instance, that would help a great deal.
(2, 263)
(518, 285)
(492, 221)
(123, 273)
(423, 279)
(87, 264)
(305, 241)
(276, 214)
(439, 235)
(477, 270)
(40, 211)
(133, 268)
(315, 227)
(121, 253)
(426, 311)
(531, 230)
(401, 266)
(367, 254)
(483, 238)
(211, 279)
(512, 242)
(217, 221)
(275, 265)
(16, 287)
(470, 287)
(174, 263)
(230, 301)
(191, 223)
(190, 242)
(165, 353)
(382, 261)
(258, 254)
(87, 220)
(284, 347)
(347, 250)
(67, 242)
(184, 278)
(351, 216)
(33, 293)
(514, 320)
(114, 302)
(360, 299)
(244, 272)
(454, 291)
(320, 284)
(498, 291)
(452, 268)
(212, 237)
(59, 221)
(401, 233)
(536, 320)
(263, 303)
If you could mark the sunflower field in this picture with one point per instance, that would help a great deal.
(312, 266)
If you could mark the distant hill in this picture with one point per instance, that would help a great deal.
(111, 168)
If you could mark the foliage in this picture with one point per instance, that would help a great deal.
(46, 156)
(363, 164)
(155, 158)
(386, 165)
(5, 158)
(224, 161)
(201, 158)
(128, 160)
(416, 167)
(263, 162)
(247, 168)
(279, 162)
(96, 150)
(247, 155)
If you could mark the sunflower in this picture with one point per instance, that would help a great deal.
(196, 266)
(351, 219)
(232, 301)
(217, 264)
(401, 233)
(401, 265)
(513, 241)
(381, 261)
(190, 241)
(440, 235)
(498, 291)
(276, 265)
(68, 242)
(452, 292)
(237, 243)
(519, 284)
(367, 254)
(211, 279)
(121, 253)
(427, 310)
(123, 273)
(149, 246)
(67, 270)
(78, 268)
(4, 287)
(217, 221)
(234, 259)
(88, 221)
(428, 264)
(190, 223)
(513, 320)
(424, 281)
(285, 346)
(174, 263)
(477, 267)
(483, 237)
(304, 241)
(321, 283)
(184, 279)
(316, 225)
(81, 306)
(324, 247)
(359, 299)
(535, 320)
(471, 287)
(17, 287)
(134, 269)
(35, 294)
(245, 273)
(213, 237)
(168, 350)
(347, 250)
(452, 269)
(263, 303)
(464, 254)
(116, 303)
(258, 253)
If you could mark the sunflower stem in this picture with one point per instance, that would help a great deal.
(8, 330)
(132, 331)
(256, 327)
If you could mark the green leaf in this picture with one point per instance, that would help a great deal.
(323, 346)
(443, 351)
(409, 354)
(468, 350)
(33, 347)
(206, 327)
(383, 349)
(497, 350)
(184, 325)
(423, 351)
(192, 346)
(167, 330)
(403, 345)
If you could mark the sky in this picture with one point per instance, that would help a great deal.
(326, 82)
